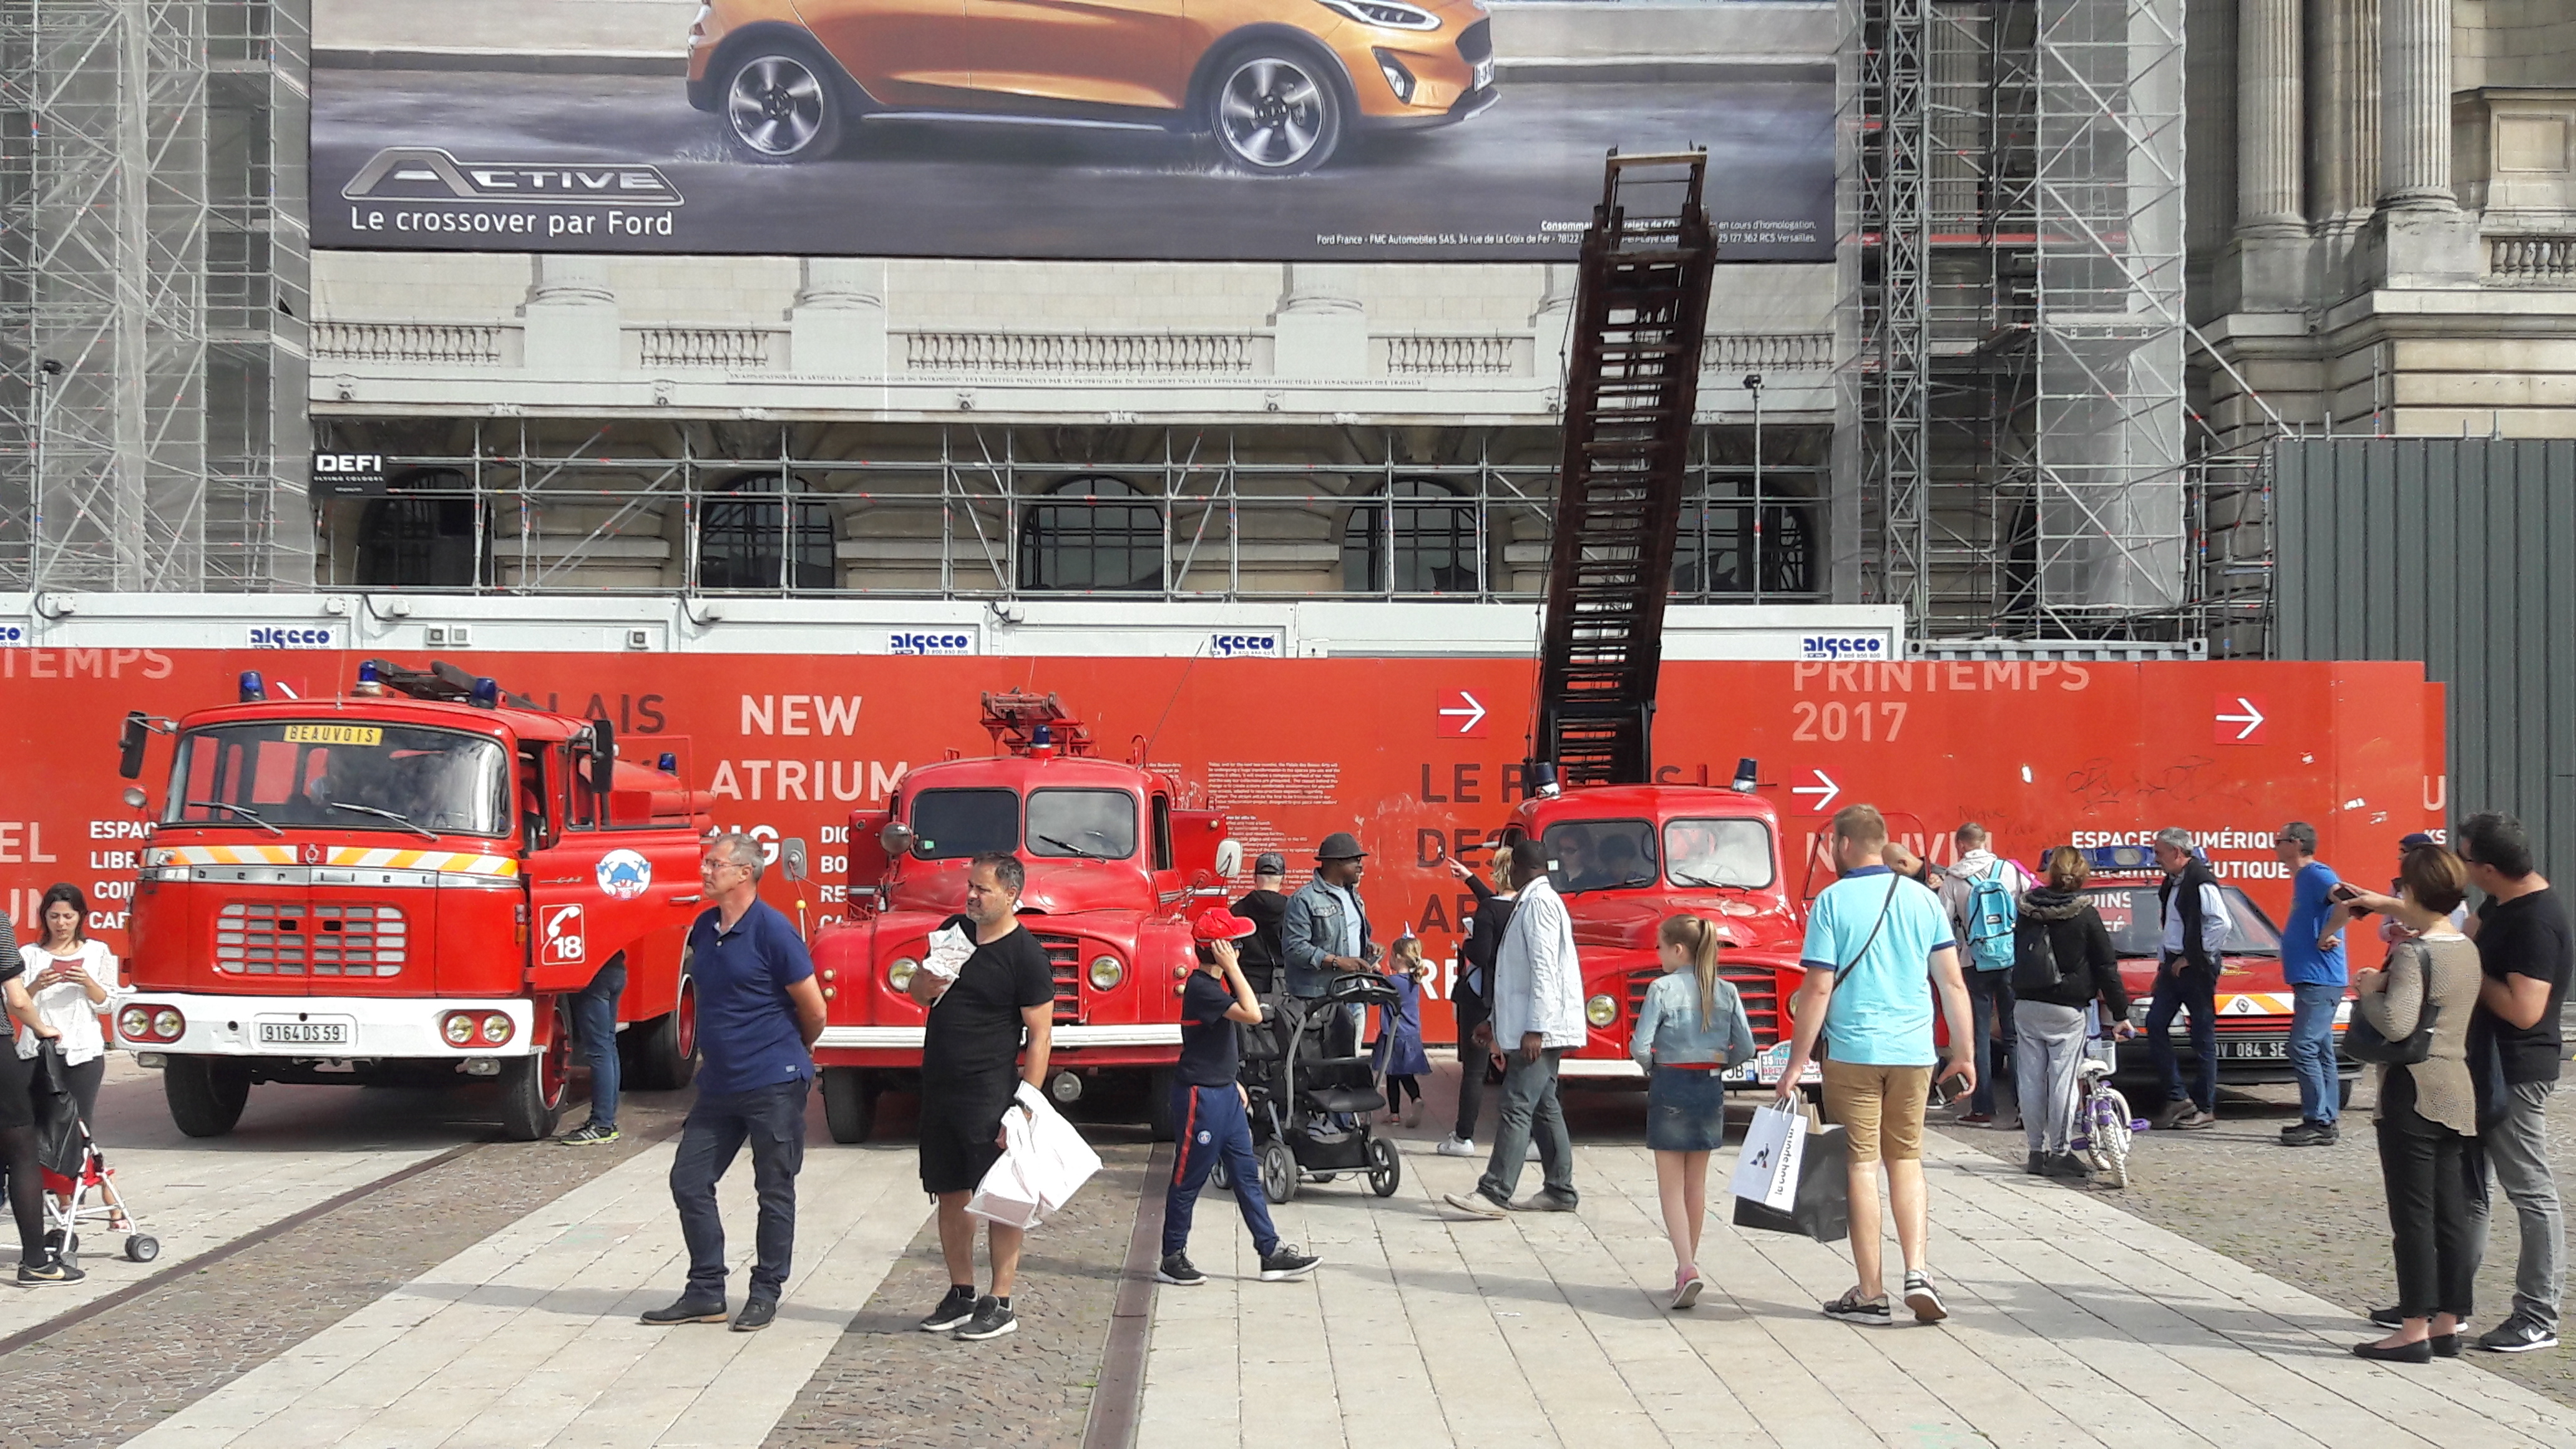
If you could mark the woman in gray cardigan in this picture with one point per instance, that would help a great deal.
(2427, 1114)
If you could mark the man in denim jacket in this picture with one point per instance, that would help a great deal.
(1325, 933)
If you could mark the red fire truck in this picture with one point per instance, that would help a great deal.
(1116, 855)
(399, 885)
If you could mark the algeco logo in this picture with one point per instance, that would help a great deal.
(267, 638)
(1246, 646)
(1842, 646)
(424, 173)
(925, 643)
(12, 635)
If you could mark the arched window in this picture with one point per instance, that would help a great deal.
(1432, 544)
(1735, 546)
(421, 535)
(1091, 535)
(747, 541)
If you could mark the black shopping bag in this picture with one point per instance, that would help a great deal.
(59, 1148)
(1822, 1210)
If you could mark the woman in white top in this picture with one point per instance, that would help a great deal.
(72, 979)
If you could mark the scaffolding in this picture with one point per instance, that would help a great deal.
(2016, 263)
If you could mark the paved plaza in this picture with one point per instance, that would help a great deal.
(488, 1296)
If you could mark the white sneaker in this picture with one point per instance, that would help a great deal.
(1454, 1145)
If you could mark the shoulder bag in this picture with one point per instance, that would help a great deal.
(1824, 1037)
(2364, 1043)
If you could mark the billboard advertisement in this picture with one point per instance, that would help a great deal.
(1250, 130)
(1420, 759)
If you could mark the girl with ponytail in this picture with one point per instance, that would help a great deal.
(1690, 1030)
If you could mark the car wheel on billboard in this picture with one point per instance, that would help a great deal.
(781, 103)
(1274, 109)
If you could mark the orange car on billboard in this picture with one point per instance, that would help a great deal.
(1276, 84)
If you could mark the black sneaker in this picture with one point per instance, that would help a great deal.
(1283, 1263)
(2066, 1164)
(689, 1310)
(993, 1318)
(2515, 1335)
(55, 1270)
(588, 1134)
(2310, 1134)
(952, 1312)
(1178, 1269)
(2388, 1317)
(2035, 1164)
(756, 1315)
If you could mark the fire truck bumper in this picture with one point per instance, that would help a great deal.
(329, 1027)
(1606, 1067)
(1068, 1046)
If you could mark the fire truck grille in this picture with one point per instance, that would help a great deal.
(1755, 985)
(264, 938)
(1064, 957)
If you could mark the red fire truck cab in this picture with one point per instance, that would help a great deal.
(400, 885)
(1116, 857)
(1626, 857)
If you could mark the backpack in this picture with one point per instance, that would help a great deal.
(1992, 918)
(2035, 967)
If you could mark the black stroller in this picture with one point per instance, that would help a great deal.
(1310, 1111)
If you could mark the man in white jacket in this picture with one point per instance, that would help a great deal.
(1538, 1017)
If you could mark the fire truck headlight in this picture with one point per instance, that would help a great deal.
(458, 1028)
(496, 1029)
(134, 1023)
(168, 1025)
(899, 975)
(1601, 1011)
(1106, 973)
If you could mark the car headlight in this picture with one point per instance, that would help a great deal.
(1387, 14)
(899, 974)
(1601, 1011)
(1106, 973)
(2138, 1013)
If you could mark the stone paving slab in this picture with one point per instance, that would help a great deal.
(2073, 1323)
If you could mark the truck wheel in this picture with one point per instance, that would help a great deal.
(663, 1052)
(1158, 1104)
(849, 1103)
(532, 1091)
(206, 1094)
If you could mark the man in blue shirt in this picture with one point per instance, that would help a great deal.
(1878, 945)
(2312, 965)
(759, 1013)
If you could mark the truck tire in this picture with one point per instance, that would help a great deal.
(532, 1091)
(206, 1094)
(662, 1054)
(849, 1103)
(1158, 1104)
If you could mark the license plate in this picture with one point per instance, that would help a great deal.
(303, 1033)
(2278, 1051)
(1484, 73)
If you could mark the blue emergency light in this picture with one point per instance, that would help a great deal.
(2114, 859)
(1042, 738)
(253, 689)
(669, 764)
(487, 693)
(1744, 775)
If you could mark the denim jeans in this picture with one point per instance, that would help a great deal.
(594, 1025)
(1990, 1000)
(2517, 1148)
(1530, 1110)
(2312, 1051)
(2177, 987)
(772, 1120)
(1213, 1127)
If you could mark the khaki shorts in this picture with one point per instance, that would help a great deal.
(1880, 1109)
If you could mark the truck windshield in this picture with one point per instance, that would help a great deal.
(342, 775)
(1594, 855)
(1091, 824)
(1718, 853)
(954, 824)
(2134, 919)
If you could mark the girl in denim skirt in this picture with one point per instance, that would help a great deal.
(1690, 1030)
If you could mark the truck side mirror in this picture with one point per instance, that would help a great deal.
(603, 756)
(791, 858)
(129, 745)
(896, 838)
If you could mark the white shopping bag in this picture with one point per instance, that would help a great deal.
(947, 955)
(1044, 1163)
(1766, 1170)
(1006, 1195)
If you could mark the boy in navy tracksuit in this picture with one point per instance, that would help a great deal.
(1208, 1108)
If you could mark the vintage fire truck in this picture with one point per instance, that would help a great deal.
(1117, 855)
(399, 885)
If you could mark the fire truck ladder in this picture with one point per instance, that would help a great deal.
(1631, 385)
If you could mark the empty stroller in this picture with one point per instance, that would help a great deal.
(80, 1188)
(1310, 1112)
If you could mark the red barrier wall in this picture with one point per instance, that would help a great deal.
(1390, 748)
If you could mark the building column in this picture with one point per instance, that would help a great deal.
(571, 316)
(2270, 114)
(837, 328)
(1552, 323)
(1321, 327)
(2415, 82)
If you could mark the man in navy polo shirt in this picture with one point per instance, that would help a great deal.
(759, 1013)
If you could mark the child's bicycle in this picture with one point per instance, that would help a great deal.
(2103, 1125)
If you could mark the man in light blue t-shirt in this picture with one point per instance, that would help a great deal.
(1878, 945)
(2312, 966)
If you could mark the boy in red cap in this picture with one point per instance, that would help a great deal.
(1210, 1107)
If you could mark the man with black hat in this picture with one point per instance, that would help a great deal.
(1209, 1107)
(1324, 933)
(1265, 906)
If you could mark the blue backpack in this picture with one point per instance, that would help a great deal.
(1992, 918)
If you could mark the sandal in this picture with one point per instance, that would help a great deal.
(1865, 1310)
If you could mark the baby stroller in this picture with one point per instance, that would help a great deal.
(1310, 1111)
(80, 1188)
